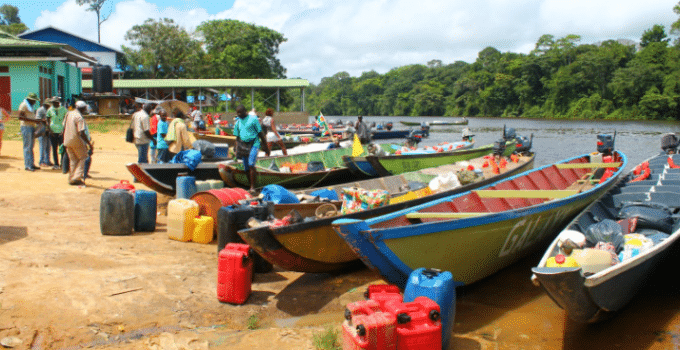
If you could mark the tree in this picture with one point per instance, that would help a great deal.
(95, 6)
(655, 35)
(243, 50)
(164, 50)
(10, 21)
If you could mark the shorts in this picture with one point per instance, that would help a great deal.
(252, 157)
(271, 137)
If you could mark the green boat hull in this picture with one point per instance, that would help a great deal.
(397, 164)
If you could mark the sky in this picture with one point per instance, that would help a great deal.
(325, 37)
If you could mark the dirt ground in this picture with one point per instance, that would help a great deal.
(64, 285)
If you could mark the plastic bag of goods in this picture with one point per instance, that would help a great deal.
(606, 231)
(444, 182)
(278, 194)
(635, 245)
(358, 199)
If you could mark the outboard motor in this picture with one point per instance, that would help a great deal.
(388, 126)
(467, 135)
(524, 143)
(499, 147)
(669, 143)
(605, 143)
(509, 134)
(425, 130)
(414, 137)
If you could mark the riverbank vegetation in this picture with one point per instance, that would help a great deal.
(559, 78)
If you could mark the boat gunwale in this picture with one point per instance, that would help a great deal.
(380, 234)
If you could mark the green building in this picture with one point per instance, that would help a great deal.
(48, 69)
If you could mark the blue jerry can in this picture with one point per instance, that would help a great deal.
(439, 286)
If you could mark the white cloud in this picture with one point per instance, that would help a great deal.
(326, 37)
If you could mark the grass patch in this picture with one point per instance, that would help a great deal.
(327, 339)
(253, 322)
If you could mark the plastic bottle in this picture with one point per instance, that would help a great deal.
(560, 260)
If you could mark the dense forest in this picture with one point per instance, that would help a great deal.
(560, 78)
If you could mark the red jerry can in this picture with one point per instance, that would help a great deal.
(361, 307)
(376, 331)
(234, 273)
(419, 325)
(383, 293)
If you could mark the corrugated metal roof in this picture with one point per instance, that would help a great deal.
(203, 83)
(13, 46)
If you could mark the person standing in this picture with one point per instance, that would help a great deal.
(197, 117)
(28, 125)
(153, 125)
(178, 136)
(362, 131)
(78, 145)
(248, 132)
(43, 134)
(140, 127)
(269, 127)
(55, 123)
(4, 116)
(161, 132)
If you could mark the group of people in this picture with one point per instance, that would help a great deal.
(158, 133)
(56, 128)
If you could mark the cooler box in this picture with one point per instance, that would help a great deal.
(234, 274)
(419, 324)
(383, 293)
(203, 229)
(440, 287)
(181, 214)
(376, 331)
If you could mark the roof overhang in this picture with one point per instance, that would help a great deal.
(205, 83)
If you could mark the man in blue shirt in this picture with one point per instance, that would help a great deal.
(161, 132)
(248, 132)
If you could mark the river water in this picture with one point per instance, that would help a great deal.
(505, 310)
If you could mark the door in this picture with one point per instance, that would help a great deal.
(5, 93)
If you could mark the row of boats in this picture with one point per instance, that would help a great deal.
(476, 228)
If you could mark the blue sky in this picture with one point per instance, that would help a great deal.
(325, 37)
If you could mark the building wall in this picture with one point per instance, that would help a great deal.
(25, 78)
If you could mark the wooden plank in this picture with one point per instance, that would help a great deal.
(417, 215)
(525, 193)
(587, 165)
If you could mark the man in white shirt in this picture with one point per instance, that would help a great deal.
(140, 128)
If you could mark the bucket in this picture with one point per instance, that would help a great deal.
(145, 211)
(185, 186)
(117, 212)
(210, 201)
(181, 214)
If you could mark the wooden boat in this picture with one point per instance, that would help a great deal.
(289, 142)
(463, 121)
(592, 293)
(162, 177)
(478, 232)
(393, 164)
(389, 134)
(313, 246)
(334, 170)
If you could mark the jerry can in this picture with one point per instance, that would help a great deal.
(185, 187)
(116, 212)
(202, 186)
(376, 331)
(234, 274)
(145, 211)
(361, 307)
(440, 287)
(203, 229)
(419, 324)
(383, 293)
(560, 260)
(181, 214)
